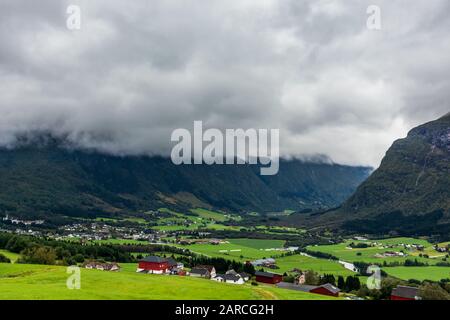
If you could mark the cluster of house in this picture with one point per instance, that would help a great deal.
(265, 263)
(201, 241)
(440, 249)
(160, 265)
(209, 272)
(19, 221)
(390, 254)
(104, 266)
(102, 231)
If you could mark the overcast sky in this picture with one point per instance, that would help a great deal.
(136, 70)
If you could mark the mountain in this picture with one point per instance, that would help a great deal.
(38, 179)
(409, 193)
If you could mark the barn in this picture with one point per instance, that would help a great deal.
(405, 293)
(268, 277)
(326, 290)
(153, 264)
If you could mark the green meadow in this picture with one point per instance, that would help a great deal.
(37, 282)
(198, 219)
(419, 273)
(208, 214)
(304, 263)
(238, 249)
(343, 252)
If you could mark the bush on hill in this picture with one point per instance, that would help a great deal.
(4, 259)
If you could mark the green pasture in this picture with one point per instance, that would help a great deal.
(419, 273)
(304, 263)
(38, 282)
(343, 252)
(239, 249)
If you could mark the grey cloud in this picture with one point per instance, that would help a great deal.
(137, 70)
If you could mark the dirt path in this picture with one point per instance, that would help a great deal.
(266, 295)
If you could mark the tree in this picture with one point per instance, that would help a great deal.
(4, 259)
(352, 283)
(341, 282)
(249, 268)
(78, 258)
(433, 291)
(387, 285)
(38, 255)
(328, 278)
(16, 244)
(311, 278)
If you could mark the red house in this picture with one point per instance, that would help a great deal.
(153, 264)
(405, 293)
(326, 290)
(267, 277)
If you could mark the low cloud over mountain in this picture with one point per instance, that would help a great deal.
(136, 71)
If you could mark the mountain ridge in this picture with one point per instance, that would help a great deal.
(408, 194)
(46, 177)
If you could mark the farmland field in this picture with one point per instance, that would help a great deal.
(19, 281)
(208, 214)
(304, 263)
(419, 273)
(196, 219)
(343, 252)
(238, 249)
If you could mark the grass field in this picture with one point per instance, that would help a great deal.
(10, 255)
(367, 254)
(208, 214)
(304, 263)
(239, 249)
(419, 273)
(36, 282)
(198, 219)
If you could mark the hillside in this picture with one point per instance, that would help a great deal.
(39, 282)
(47, 178)
(409, 193)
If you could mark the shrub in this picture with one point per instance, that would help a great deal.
(4, 259)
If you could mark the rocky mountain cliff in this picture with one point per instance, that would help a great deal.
(409, 193)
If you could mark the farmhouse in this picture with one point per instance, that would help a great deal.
(268, 277)
(229, 278)
(154, 264)
(200, 273)
(211, 269)
(102, 266)
(325, 289)
(405, 293)
(301, 278)
(243, 275)
(296, 287)
(267, 263)
(174, 264)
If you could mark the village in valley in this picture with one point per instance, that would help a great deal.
(216, 247)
